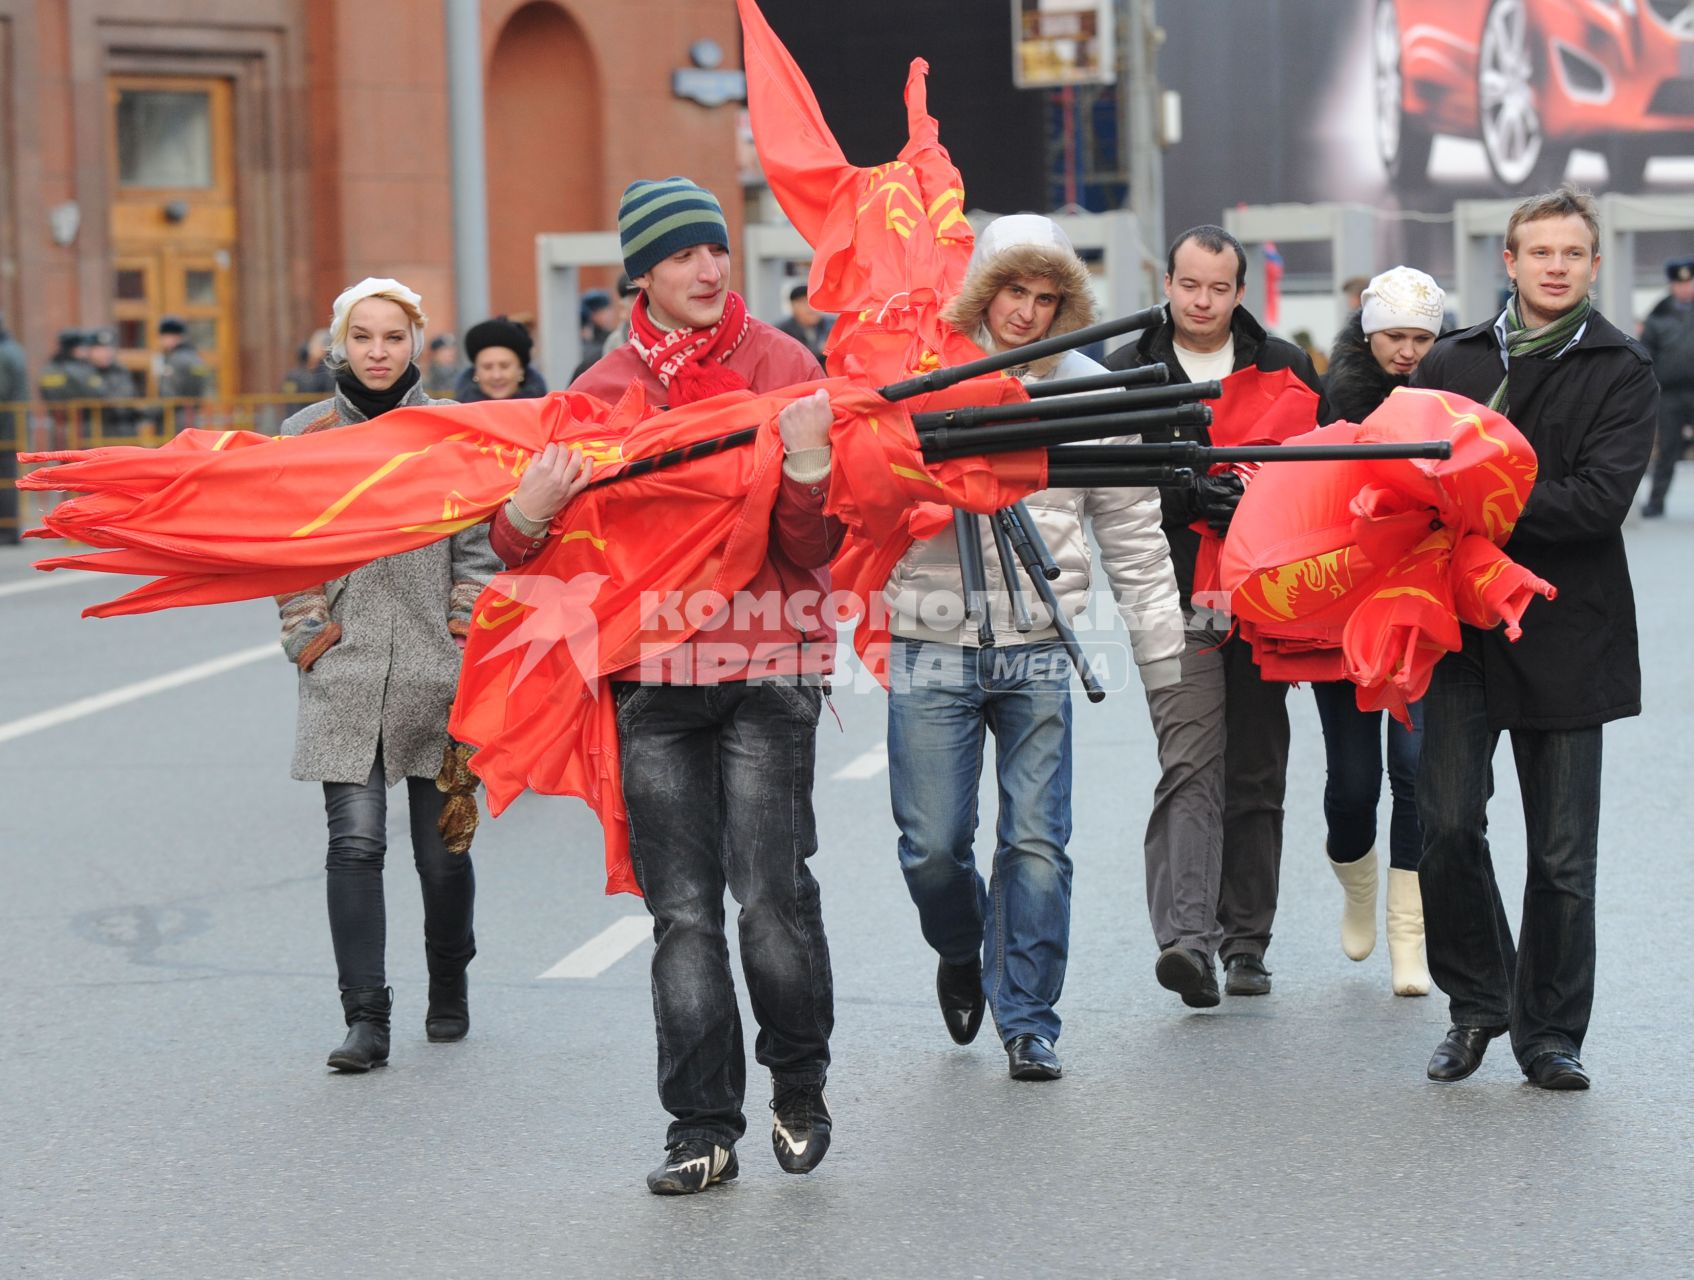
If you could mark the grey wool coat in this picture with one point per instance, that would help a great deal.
(392, 676)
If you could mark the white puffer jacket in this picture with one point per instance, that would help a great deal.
(925, 593)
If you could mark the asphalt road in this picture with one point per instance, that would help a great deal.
(170, 996)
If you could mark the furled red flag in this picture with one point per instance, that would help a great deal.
(891, 244)
(1395, 552)
(233, 515)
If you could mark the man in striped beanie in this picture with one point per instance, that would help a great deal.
(718, 739)
(690, 334)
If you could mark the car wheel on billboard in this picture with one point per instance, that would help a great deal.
(1402, 142)
(1509, 120)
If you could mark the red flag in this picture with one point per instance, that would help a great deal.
(1396, 552)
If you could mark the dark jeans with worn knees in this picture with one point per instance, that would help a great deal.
(358, 844)
(1542, 985)
(717, 780)
(1352, 743)
(1255, 779)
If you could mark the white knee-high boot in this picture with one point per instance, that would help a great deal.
(1405, 934)
(1358, 904)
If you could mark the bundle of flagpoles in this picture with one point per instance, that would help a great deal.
(1057, 417)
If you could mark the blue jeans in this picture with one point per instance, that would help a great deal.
(1352, 741)
(358, 843)
(718, 783)
(1542, 987)
(942, 700)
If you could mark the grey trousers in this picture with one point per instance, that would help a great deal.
(1214, 838)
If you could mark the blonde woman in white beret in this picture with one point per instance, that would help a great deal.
(1401, 313)
(378, 657)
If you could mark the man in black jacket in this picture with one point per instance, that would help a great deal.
(1214, 837)
(1584, 396)
(1668, 336)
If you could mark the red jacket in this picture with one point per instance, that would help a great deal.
(803, 539)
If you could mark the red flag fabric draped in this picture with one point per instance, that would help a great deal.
(1395, 552)
(219, 516)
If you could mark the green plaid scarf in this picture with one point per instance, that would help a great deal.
(1549, 339)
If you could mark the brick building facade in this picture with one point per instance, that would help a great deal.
(238, 162)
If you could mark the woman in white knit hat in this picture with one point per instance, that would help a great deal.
(1401, 313)
(379, 662)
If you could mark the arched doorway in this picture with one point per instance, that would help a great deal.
(543, 127)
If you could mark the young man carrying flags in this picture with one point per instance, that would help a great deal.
(718, 752)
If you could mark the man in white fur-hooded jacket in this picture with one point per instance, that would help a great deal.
(1025, 282)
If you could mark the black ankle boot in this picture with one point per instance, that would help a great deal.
(449, 1014)
(366, 1045)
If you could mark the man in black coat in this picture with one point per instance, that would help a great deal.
(1584, 396)
(1214, 837)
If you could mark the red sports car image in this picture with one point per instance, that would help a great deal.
(1532, 79)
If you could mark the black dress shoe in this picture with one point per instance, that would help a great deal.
(1556, 1069)
(1460, 1053)
(1031, 1057)
(1245, 975)
(958, 987)
(1190, 974)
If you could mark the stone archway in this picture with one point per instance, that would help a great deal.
(543, 126)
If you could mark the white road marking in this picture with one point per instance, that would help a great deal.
(604, 949)
(130, 692)
(868, 765)
(61, 578)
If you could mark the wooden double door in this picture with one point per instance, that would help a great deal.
(174, 228)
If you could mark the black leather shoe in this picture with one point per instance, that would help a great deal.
(1190, 974)
(1245, 975)
(959, 989)
(1031, 1057)
(449, 1015)
(1556, 1070)
(1460, 1053)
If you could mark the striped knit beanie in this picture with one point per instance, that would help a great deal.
(657, 219)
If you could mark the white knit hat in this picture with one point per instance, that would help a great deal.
(374, 287)
(1402, 298)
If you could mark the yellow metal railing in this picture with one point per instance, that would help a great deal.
(40, 426)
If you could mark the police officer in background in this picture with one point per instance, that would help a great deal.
(311, 377)
(181, 368)
(111, 381)
(67, 375)
(14, 388)
(1668, 336)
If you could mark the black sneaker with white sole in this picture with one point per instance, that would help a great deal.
(693, 1165)
(800, 1124)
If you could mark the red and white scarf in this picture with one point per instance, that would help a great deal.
(689, 363)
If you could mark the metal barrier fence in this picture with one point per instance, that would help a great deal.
(36, 426)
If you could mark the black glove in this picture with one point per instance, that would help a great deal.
(1216, 497)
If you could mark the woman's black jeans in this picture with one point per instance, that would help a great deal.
(358, 840)
(1352, 742)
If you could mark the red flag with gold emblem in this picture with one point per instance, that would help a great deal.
(1396, 553)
